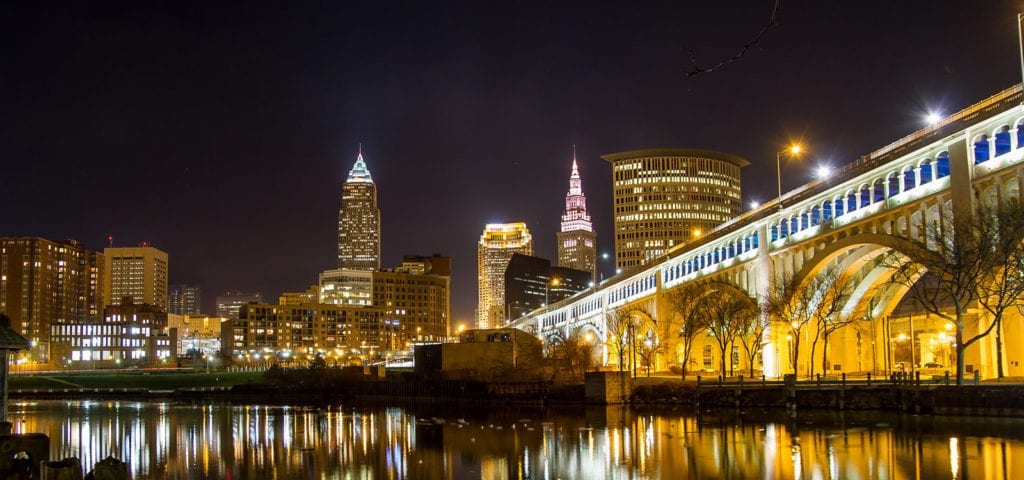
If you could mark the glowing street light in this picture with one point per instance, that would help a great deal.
(793, 151)
(547, 289)
(932, 118)
(823, 172)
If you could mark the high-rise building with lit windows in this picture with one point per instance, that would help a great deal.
(229, 304)
(497, 244)
(667, 196)
(184, 299)
(359, 220)
(532, 283)
(43, 282)
(577, 241)
(360, 314)
(136, 272)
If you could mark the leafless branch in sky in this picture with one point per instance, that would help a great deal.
(697, 68)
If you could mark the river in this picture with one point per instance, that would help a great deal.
(246, 441)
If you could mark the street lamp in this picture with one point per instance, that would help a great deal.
(547, 289)
(792, 151)
(823, 172)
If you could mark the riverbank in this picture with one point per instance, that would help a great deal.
(983, 399)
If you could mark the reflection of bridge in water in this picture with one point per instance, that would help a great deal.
(840, 224)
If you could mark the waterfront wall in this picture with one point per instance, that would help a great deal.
(967, 400)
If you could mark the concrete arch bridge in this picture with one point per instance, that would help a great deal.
(837, 226)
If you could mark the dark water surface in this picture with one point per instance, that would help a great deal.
(242, 441)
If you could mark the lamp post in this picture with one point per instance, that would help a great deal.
(792, 151)
(547, 289)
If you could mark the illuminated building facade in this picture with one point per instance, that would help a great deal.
(229, 305)
(531, 283)
(666, 197)
(359, 220)
(136, 272)
(196, 332)
(184, 299)
(498, 243)
(406, 305)
(310, 295)
(577, 241)
(346, 287)
(43, 283)
(129, 334)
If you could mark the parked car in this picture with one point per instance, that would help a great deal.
(932, 365)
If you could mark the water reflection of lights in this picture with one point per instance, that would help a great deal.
(954, 457)
(169, 440)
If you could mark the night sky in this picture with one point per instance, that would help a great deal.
(220, 132)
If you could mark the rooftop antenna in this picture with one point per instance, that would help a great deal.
(110, 241)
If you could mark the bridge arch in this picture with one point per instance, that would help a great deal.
(872, 281)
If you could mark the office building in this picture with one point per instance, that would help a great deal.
(497, 244)
(184, 299)
(665, 197)
(346, 287)
(136, 272)
(577, 241)
(531, 283)
(129, 334)
(406, 305)
(44, 282)
(359, 220)
(229, 304)
(197, 333)
(309, 295)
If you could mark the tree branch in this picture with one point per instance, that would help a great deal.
(697, 69)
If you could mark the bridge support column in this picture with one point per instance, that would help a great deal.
(762, 288)
(960, 185)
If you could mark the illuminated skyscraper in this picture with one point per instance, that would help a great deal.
(359, 220)
(137, 272)
(497, 244)
(665, 197)
(577, 241)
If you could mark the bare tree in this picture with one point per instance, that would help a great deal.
(1002, 287)
(686, 303)
(619, 326)
(647, 347)
(726, 313)
(789, 305)
(750, 327)
(573, 354)
(968, 260)
(625, 326)
(835, 290)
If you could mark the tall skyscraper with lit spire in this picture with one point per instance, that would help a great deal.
(577, 241)
(359, 220)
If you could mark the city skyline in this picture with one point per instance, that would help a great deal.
(248, 134)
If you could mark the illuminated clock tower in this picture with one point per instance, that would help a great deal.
(577, 242)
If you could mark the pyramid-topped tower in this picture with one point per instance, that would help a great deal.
(359, 220)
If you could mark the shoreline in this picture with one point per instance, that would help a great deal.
(988, 400)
